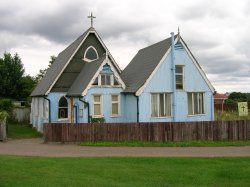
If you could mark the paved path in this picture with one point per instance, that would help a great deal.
(36, 147)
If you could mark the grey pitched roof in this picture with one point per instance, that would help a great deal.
(58, 66)
(84, 77)
(143, 64)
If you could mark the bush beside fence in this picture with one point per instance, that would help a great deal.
(165, 132)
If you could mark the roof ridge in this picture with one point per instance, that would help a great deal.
(76, 40)
(157, 43)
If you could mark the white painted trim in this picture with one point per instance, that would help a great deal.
(67, 63)
(197, 66)
(164, 102)
(69, 107)
(111, 102)
(86, 59)
(204, 107)
(101, 106)
(183, 74)
(140, 90)
(97, 74)
(104, 46)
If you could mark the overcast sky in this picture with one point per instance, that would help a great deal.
(216, 31)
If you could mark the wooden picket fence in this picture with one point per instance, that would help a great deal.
(169, 131)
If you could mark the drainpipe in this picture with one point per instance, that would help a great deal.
(173, 76)
(49, 108)
(87, 103)
(76, 116)
(212, 105)
(137, 106)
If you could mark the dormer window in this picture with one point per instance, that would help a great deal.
(106, 79)
(90, 54)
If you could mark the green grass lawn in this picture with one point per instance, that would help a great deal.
(123, 171)
(21, 130)
(229, 116)
(196, 143)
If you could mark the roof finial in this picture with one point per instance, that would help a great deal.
(91, 18)
(178, 33)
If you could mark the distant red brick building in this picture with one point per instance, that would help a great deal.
(220, 98)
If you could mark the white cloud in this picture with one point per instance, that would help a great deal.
(217, 32)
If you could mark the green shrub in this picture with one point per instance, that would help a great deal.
(6, 105)
(3, 115)
(97, 120)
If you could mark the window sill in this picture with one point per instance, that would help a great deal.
(161, 117)
(115, 116)
(63, 119)
(196, 115)
(98, 116)
(107, 86)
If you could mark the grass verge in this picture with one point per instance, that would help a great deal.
(167, 144)
(21, 130)
(116, 171)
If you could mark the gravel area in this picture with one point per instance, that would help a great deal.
(36, 147)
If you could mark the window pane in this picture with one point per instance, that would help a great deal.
(179, 81)
(154, 105)
(63, 113)
(179, 69)
(196, 106)
(190, 108)
(179, 86)
(108, 80)
(103, 81)
(114, 97)
(91, 54)
(178, 78)
(63, 102)
(201, 103)
(162, 111)
(97, 109)
(115, 81)
(114, 108)
(97, 98)
(168, 104)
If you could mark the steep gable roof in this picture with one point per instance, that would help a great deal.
(147, 60)
(61, 62)
(88, 73)
(143, 64)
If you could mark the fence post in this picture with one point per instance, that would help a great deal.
(3, 136)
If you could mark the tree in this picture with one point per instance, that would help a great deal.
(11, 73)
(42, 72)
(235, 97)
(28, 83)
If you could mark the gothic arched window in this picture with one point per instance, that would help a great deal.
(90, 54)
(62, 108)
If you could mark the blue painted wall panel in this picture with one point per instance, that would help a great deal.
(106, 104)
(130, 108)
(161, 82)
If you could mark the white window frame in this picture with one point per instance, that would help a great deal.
(107, 85)
(88, 60)
(61, 119)
(115, 102)
(158, 104)
(198, 103)
(94, 102)
(182, 74)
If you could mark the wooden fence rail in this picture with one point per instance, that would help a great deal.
(170, 131)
